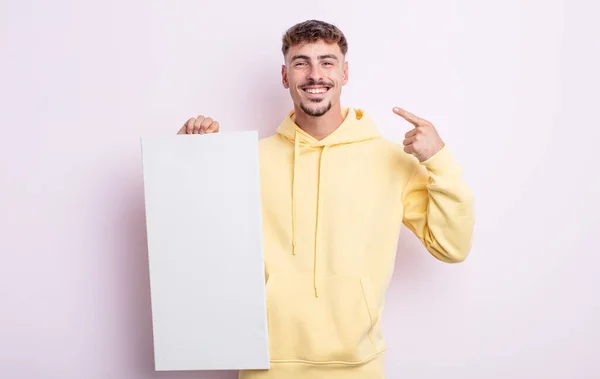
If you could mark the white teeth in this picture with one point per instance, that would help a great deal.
(316, 90)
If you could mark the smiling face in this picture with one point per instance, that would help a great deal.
(315, 73)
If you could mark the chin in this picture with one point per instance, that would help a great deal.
(315, 110)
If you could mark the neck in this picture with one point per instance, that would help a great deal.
(319, 127)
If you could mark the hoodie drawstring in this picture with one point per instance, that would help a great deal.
(355, 127)
(296, 154)
(319, 181)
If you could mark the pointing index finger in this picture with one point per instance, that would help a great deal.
(416, 121)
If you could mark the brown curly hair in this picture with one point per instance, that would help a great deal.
(312, 31)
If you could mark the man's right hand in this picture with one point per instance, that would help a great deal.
(199, 125)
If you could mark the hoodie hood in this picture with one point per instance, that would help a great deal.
(356, 127)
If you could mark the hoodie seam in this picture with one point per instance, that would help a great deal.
(368, 308)
(344, 363)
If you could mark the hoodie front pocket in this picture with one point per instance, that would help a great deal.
(336, 326)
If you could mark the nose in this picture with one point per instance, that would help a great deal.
(314, 73)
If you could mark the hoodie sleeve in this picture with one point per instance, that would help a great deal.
(438, 207)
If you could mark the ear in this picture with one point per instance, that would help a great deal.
(345, 77)
(284, 78)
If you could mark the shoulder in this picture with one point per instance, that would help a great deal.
(272, 143)
(274, 149)
(395, 151)
(268, 140)
(399, 161)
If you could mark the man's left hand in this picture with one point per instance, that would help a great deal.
(423, 141)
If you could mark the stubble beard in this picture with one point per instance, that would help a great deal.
(318, 112)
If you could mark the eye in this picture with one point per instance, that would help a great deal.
(328, 63)
(300, 64)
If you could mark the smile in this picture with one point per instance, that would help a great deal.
(315, 90)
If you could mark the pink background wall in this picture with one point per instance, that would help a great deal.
(510, 87)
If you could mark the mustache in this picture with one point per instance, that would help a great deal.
(316, 83)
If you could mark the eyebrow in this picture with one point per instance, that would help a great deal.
(320, 57)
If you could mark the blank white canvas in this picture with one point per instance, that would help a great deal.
(203, 216)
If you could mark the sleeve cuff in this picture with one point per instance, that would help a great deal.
(441, 162)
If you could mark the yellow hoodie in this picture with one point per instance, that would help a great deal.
(332, 211)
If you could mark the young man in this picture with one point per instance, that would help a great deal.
(335, 195)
